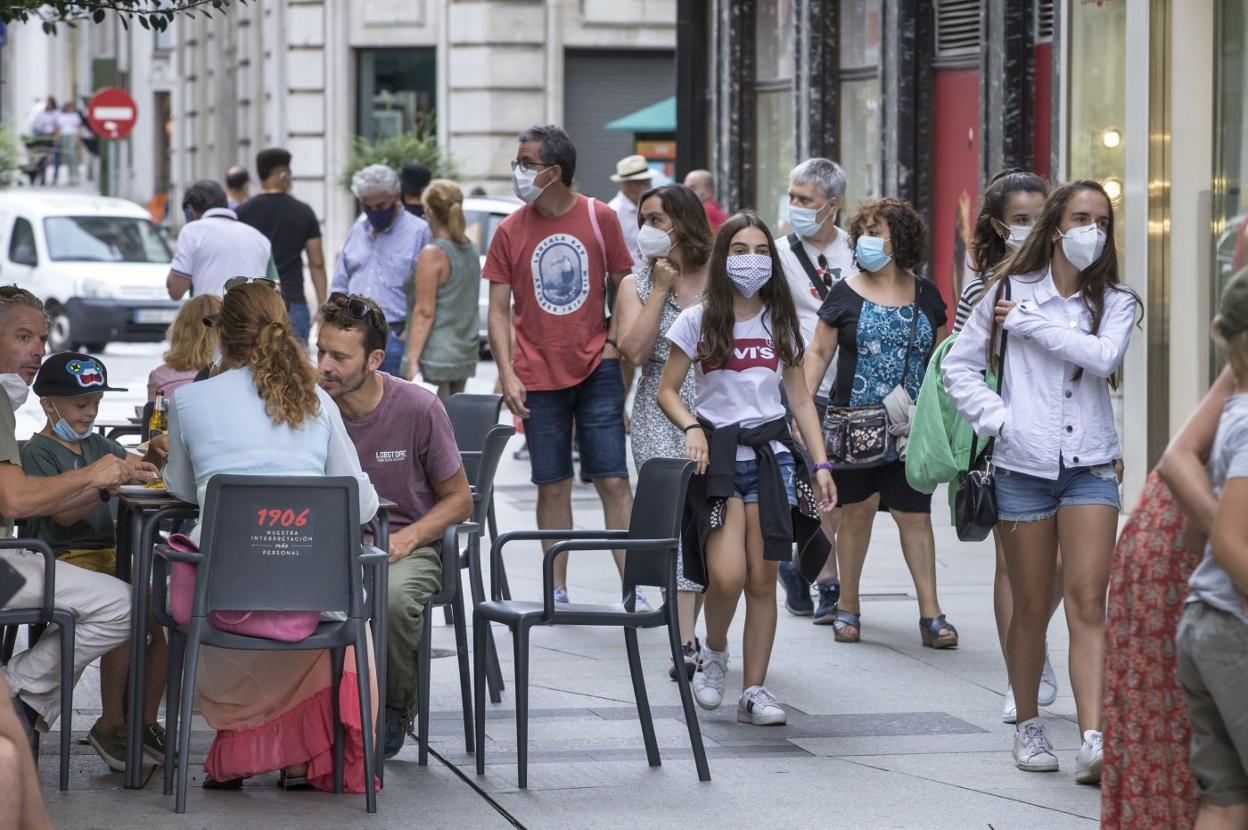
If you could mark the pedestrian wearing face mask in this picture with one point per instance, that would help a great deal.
(882, 323)
(815, 256)
(378, 258)
(675, 240)
(752, 495)
(554, 257)
(1064, 326)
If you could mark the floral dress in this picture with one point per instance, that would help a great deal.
(1147, 782)
(653, 435)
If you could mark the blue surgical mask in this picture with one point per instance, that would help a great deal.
(869, 251)
(65, 432)
(380, 219)
(805, 221)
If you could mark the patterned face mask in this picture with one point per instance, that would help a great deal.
(749, 272)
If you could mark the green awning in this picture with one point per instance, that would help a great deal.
(656, 118)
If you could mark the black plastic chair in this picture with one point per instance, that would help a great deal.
(472, 418)
(322, 571)
(451, 597)
(38, 619)
(487, 459)
(650, 545)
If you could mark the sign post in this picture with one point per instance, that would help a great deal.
(112, 114)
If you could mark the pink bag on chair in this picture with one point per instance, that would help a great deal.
(286, 626)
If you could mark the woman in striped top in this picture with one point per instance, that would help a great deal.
(1012, 203)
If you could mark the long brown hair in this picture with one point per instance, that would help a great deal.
(1036, 254)
(691, 231)
(718, 317)
(988, 249)
(190, 341)
(256, 332)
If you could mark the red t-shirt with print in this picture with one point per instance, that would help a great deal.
(557, 272)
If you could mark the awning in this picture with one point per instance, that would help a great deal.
(656, 118)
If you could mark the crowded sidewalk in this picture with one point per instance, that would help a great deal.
(884, 734)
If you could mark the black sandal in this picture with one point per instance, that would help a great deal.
(211, 783)
(930, 628)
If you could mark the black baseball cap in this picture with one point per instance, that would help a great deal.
(69, 374)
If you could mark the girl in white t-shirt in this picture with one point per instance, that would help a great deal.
(746, 341)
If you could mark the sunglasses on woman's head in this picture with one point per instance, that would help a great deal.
(10, 291)
(357, 307)
(235, 282)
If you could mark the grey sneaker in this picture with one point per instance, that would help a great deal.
(1088, 761)
(154, 743)
(110, 744)
(1048, 683)
(708, 684)
(1033, 751)
(760, 707)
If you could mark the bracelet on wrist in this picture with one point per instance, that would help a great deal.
(691, 426)
(823, 465)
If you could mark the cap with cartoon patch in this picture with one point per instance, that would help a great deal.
(68, 374)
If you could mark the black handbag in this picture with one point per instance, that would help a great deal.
(975, 503)
(858, 437)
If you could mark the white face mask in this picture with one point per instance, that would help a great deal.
(1083, 245)
(653, 242)
(1018, 235)
(523, 182)
(15, 387)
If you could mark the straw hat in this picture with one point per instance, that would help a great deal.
(632, 169)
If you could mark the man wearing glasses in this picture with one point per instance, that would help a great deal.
(407, 446)
(378, 258)
(554, 256)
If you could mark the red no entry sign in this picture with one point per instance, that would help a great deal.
(112, 113)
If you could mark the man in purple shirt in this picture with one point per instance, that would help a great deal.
(407, 447)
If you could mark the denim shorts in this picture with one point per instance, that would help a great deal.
(596, 406)
(745, 484)
(1027, 498)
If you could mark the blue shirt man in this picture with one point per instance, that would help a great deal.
(378, 258)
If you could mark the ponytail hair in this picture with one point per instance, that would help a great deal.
(445, 201)
(255, 332)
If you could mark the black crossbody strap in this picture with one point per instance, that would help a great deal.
(988, 447)
(914, 331)
(812, 273)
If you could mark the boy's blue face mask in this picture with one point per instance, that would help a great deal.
(65, 432)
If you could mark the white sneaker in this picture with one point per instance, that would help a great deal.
(1088, 761)
(708, 684)
(1048, 683)
(1033, 751)
(1009, 711)
(760, 707)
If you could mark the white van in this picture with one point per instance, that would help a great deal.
(98, 264)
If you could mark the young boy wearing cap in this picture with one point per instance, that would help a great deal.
(70, 387)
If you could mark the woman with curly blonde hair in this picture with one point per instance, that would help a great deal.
(262, 413)
(191, 345)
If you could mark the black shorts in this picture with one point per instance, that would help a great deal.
(854, 486)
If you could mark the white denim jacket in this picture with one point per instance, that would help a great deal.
(1045, 417)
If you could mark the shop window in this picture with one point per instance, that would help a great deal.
(1230, 177)
(395, 91)
(1098, 76)
(775, 137)
(861, 149)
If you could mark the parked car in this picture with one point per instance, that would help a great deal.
(482, 216)
(98, 264)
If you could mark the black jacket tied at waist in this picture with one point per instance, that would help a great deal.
(781, 523)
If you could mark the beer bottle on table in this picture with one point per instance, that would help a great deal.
(159, 422)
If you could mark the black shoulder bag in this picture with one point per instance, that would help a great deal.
(812, 273)
(975, 503)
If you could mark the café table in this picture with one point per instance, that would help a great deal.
(138, 520)
(115, 428)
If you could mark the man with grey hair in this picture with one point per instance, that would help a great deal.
(213, 246)
(378, 258)
(100, 604)
(815, 256)
(702, 183)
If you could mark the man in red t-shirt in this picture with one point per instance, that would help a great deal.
(553, 258)
(701, 183)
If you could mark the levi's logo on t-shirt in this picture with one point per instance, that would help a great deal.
(747, 354)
